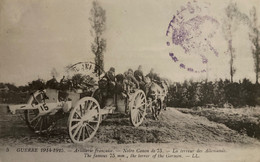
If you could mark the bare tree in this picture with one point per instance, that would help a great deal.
(254, 37)
(98, 24)
(230, 24)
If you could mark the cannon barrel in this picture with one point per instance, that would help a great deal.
(43, 107)
(14, 108)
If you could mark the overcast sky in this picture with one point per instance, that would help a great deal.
(37, 36)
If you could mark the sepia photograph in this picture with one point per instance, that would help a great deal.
(129, 80)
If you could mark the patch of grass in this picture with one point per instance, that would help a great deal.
(244, 120)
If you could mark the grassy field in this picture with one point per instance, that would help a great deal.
(244, 120)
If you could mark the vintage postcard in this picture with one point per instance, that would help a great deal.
(129, 80)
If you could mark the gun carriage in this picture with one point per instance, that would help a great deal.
(85, 109)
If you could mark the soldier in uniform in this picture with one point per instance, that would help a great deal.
(138, 74)
(130, 80)
(111, 80)
(52, 83)
(111, 74)
(153, 76)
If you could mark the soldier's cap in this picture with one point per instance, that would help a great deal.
(112, 69)
(130, 70)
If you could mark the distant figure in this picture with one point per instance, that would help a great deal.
(62, 80)
(65, 84)
(140, 77)
(52, 83)
(153, 76)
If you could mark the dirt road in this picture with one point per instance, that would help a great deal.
(174, 130)
(172, 127)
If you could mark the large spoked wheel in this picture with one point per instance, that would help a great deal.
(137, 108)
(38, 123)
(84, 120)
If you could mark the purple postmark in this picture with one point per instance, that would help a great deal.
(189, 34)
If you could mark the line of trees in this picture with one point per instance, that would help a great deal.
(19, 94)
(222, 93)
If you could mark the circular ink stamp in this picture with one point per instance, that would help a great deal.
(189, 35)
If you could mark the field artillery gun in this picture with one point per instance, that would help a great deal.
(46, 107)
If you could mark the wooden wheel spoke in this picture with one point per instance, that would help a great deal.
(41, 124)
(141, 111)
(144, 101)
(93, 121)
(76, 131)
(86, 103)
(38, 120)
(80, 131)
(87, 131)
(136, 106)
(142, 97)
(138, 117)
(142, 104)
(78, 114)
(76, 120)
(91, 103)
(81, 112)
(94, 107)
(90, 126)
(35, 118)
(86, 106)
(83, 133)
(134, 117)
(138, 97)
(75, 125)
(142, 108)
(142, 115)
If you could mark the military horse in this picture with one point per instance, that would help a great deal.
(156, 95)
